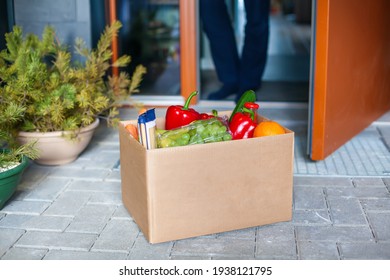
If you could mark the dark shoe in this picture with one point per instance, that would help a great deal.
(223, 92)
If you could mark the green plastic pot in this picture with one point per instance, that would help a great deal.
(9, 181)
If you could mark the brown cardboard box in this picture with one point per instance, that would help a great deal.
(181, 192)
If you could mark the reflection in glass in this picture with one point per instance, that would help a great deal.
(150, 34)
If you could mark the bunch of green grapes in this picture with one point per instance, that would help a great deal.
(197, 132)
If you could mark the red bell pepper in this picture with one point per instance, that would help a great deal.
(242, 125)
(177, 116)
(204, 116)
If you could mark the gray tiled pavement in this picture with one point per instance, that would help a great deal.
(75, 212)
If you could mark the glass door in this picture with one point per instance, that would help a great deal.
(150, 35)
(162, 36)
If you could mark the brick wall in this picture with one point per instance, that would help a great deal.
(70, 18)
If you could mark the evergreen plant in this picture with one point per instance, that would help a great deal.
(42, 90)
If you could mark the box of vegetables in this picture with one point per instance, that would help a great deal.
(192, 174)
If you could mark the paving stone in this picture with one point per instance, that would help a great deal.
(106, 159)
(368, 182)
(114, 198)
(317, 250)
(310, 217)
(106, 135)
(213, 247)
(328, 165)
(30, 222)
(386, 181)
(196, 257)
(82, 174)
(365, 251)
(346, 211)
(220, 257)
(91, 149)
(21, 194)
(57, 240)
(109, 146)
(334, 233)
(80, 255)
(121, 213)
(118, 235)
(360, 192)
(381, 225)
(114, 175)
(79, 163)
(353, 160)
(338, 161)
(247, 233)
(276, 242)
(91, 218)
(68, 203)
(33, 175)
(103, 229)
(82, 185)
(280, 232)
(385, 132)
(103, 186)
(309, 198)
(376, 204)
(322, 181)
(369, 152)
(143, 250)
(24, 254)
(25, 207)
(276, 251)
(8, 237)
(49, 189)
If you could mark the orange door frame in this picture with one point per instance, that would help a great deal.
(188, 48)
(114, 42)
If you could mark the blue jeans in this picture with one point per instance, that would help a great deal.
(243, 72)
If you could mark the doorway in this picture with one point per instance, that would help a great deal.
(286, 75)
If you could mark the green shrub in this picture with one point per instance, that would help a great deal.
(42, 90)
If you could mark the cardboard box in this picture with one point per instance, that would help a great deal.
(181, 192)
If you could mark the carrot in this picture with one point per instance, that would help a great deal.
(132, 129)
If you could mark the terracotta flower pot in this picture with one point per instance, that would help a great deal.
(55, 149)
(9, 181)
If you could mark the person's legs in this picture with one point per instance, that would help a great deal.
(218, 28)
(254, 53)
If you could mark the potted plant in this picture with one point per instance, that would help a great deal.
(12, 164)
(13, 157)
(61, 101)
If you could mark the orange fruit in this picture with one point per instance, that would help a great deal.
(132, 129)
(267, 128)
